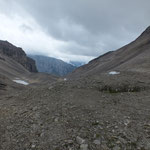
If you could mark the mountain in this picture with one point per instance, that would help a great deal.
(16, 66)
(14, 62)
(18, 55)
(103, 105)
(52, 65)
(76, 63)
(132, 57)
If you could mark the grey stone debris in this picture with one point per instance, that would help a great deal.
(56, 119)
(84, 147)
(80, 140)
(97, 142)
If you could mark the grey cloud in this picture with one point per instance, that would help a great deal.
(26, 28)
(91, 27)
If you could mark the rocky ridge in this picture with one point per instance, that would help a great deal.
(18, 55)
(131, 57)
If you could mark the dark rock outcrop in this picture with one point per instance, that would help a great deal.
(18, 55)
(2, 86)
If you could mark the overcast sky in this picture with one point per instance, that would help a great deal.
(78, 30)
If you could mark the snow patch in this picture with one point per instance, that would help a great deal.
(114, 73)
(65, 79)
(21, 82)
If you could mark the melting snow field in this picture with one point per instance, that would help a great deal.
(114, 73)
(21, 82)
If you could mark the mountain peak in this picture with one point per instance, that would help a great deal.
(147, 31)
(133, 57)
(17, 54)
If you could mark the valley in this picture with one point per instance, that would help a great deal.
(103, 105)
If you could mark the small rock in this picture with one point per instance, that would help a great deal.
(84, 147)
(80, 140)
(118, 142)
(122, 140)
(65, 79)
(101, 127)
(69, 141)
(35, 108)
(116, 148)
(56, 119)
(97, 142)
(50, 87)
(116, 127)
(148, 146)
(33, 146)
(127, 121)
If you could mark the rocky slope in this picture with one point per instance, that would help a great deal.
(15, 65)
(18, 55)
(52, 65)
(77, 115)
(10, 68)
(99, 111)
(132, 57)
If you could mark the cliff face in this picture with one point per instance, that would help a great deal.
(18, 55)
(52, 65)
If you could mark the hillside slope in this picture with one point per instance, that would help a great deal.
(15, 65)
(132, 57)
(18, 55)
(11, 69)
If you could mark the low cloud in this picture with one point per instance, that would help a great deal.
(72, 30)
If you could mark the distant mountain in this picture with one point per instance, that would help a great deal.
(77, 63)
(52, 65)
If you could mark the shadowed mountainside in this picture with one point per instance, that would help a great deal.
(18, 55)
(14, 64)
(52, 65)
